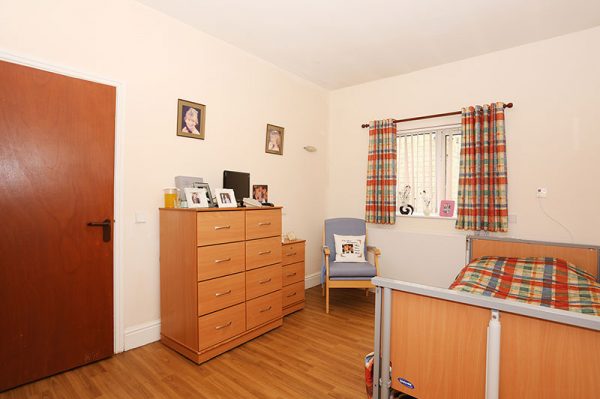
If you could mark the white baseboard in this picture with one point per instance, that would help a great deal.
(312, 280)
(142, 334)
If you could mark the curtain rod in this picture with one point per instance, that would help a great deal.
(416, 118)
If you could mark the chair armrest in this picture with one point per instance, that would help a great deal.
(327, 253)
(375, 250)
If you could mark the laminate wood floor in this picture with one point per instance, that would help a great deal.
(313, 355)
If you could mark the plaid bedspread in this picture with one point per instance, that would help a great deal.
(548, 282)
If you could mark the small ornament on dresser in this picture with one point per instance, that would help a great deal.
(404, 195)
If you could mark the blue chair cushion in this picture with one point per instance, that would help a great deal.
(351, 271)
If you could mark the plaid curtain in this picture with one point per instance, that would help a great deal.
(482, 202)
(381, 173)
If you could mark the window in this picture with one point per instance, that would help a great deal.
(428, 167)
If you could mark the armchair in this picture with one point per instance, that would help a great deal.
(346, 274)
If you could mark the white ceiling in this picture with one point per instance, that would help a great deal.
(338, 43)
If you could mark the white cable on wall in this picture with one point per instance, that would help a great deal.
(554, 220)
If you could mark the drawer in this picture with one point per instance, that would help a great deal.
(263, 223)
(219, 227)
(220, 293)
(293, 273)
(221, 260)
(263, 309)
(263, 252)
(293, 293)
(219, 326)
(292, 253)
(263, 280)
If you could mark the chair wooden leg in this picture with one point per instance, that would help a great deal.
(326, 298)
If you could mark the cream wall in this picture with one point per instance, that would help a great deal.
(553, 140)
(158, 60)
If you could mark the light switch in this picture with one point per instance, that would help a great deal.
(541, 192)
(140, 217)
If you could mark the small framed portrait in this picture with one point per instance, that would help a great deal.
(191, 118)
(207, 193)
(260, 192)
(274, 141)
(447, 208)
(196, 197)
(225, 198)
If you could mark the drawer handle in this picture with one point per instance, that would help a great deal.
(291, 295)
(265, 309)
(223, 293)
(222, 260)
(222, 227)
(223, 326)
(264, 223)
(264, 252)
(291, 274)
(292, 254)
(265, 281)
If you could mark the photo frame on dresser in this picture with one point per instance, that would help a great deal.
(225, 198)
(196, 197)
(209, 198)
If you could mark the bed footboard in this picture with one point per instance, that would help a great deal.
(438, 346)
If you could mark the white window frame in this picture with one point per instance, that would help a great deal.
(441, 157)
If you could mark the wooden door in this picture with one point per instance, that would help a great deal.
(56, 175)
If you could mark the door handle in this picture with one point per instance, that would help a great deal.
(105, 224)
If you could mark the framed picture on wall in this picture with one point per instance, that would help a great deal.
(274, 140)
(447, 208)
(191, 118)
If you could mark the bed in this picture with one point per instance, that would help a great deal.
(470, 343)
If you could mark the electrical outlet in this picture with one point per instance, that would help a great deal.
(541, 192)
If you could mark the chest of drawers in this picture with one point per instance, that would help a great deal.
(292, 259)
(220, 278)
